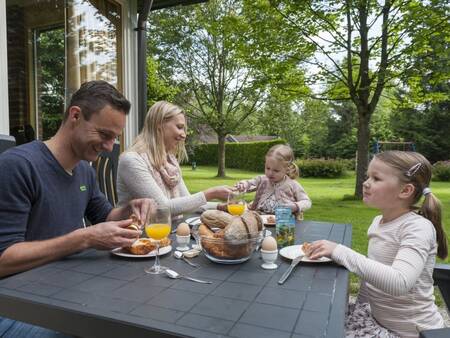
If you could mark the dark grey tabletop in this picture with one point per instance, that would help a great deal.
(96, 294)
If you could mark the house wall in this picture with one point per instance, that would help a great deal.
(4, 108)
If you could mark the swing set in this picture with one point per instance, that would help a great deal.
(380, 146)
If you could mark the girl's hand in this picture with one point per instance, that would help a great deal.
(241, 186)
(322, 248)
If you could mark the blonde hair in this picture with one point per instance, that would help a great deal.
(151, 138)
(284, 154)
(415, 169)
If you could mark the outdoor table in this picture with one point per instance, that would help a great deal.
(96, 294)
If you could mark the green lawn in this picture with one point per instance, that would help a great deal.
(327, 196)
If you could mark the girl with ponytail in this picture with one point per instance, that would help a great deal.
(396, 294)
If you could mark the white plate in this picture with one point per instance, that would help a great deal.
(193, 221)
(162, 251)
(290, 252)
(265, 219)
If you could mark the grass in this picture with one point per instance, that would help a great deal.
(328, 200)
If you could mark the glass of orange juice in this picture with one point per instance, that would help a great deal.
(236, 203)
(158, 227)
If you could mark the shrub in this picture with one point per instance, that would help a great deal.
(244, 155)
(321, 168)
(441, 171)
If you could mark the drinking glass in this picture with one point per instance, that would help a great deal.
(236, 203)
(158, 227)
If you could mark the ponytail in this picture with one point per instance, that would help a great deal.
(432, 210)
(292, 170)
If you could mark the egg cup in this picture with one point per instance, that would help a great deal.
(183, 242)
(269, 258)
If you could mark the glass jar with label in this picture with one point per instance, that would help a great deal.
(285, 226)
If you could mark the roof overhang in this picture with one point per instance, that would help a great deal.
(160, 4)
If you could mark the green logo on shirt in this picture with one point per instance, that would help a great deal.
(82, 188)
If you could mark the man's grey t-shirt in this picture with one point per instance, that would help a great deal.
(40, 200)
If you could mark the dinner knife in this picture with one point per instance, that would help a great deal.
(294, 263)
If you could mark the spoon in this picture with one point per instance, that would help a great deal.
(179, 255)
(175, 275)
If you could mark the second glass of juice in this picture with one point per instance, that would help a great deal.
(236, 203)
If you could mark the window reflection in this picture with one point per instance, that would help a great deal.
(53, 47)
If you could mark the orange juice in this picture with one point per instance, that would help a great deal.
(236, 209)
(158, 230)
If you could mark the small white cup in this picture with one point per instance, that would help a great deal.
(269, 258)
(183, 242)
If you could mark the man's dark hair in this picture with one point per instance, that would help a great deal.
(93, 96)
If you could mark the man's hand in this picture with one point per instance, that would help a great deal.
(110, 235)
(142, 208)
(322, 248)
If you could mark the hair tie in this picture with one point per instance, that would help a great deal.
(426, 191)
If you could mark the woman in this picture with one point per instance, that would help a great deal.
(150, 168)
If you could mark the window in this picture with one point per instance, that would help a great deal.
(53, 47)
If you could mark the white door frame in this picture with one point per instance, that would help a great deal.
(4, 105)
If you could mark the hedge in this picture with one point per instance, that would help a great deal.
(441, 171)
(321, 168)
(243, 155)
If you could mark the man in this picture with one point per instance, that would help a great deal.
(47, 188)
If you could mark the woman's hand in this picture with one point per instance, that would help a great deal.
(220, 192)
(322, 248)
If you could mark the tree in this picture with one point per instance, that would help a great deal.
(203, 49)
(375, 40)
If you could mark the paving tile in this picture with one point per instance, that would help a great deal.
(317, 302)
(218, 272)
(237, 290)
(248, 277)
(158, 313)
(249, 331)
(66, 278)
(205, 289)
(125, 272)
(323, 286)
(176, 299)
(219, 307)
(281, 297)
(312, 323)
(100, 285)
(89, 299)
(326, 272)
(211, 324)
(42, 289)
(94, 267)
(133, 292)
(270, 316)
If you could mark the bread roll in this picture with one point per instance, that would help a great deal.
(246, 226)
(216, 218)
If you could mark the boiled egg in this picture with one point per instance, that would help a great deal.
(269, 244)
(183, 229)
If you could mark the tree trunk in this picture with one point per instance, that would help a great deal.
(221, 156)
(363, 149)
